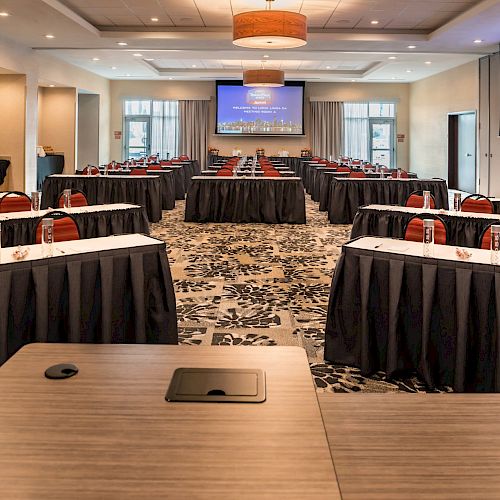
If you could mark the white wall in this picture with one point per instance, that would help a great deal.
(195, 90)
(88, 130)
(431, 100)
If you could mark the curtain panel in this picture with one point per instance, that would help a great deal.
(327, 128)
(193, 126)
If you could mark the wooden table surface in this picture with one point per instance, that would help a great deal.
(108, 433)
(414, 446)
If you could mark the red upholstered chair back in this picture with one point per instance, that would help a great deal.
(176, 159)
(414, 230)
(78, 199)
(485, 239)
(271, 173)
(343, 169)
(165, 163)
(332, 165)
(184, 157)
(15, 201)
(139, 171)
(224, 172)
(356, 163)
(323, 162)
(315, 158)
(344, 159)
(155, 167)
(152, 158)
(404, 174)
(477, 203)
(116, 166)
(357, 175)
(416, 200)
(65, 227)
(93, 171)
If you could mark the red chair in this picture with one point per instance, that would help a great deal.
(65, 227)
(332, 165)
(165, 163)
(485, 238)
(15, 201)
(78, 199)
(404, 174)
(356, 163)
(315, 158)
(477, 203)
(139, 171)
(224, 172)
(184, 157)
(357, 175)
(116, 166)
(344, 159)
(176, 159)
(416, 200)
(343, 169)
(272, 173)
(323, 162)
(414, 230)
(93, 171)
(154, 166)
(152, 158)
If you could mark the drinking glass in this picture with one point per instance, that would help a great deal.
(67, 199)
(495, 243)
(47, 237)
(427, 200)
(35, 201)
(428, 237)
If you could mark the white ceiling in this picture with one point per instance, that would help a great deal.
(342, 44)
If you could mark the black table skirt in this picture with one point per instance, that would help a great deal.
(91, 225)
(4, 166)
(104, 189)
(346, 196)
(462, 231)
(379, 318)
(272, 201)
(113, 296)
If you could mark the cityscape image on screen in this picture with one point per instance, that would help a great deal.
(260, 110)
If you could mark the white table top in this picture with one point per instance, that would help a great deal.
(415, 249)
(412, 210)
(260, 178)
(74, 210)
(80, 247)
(75, 176)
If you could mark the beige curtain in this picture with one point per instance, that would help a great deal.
(193, 130)
(327, 128)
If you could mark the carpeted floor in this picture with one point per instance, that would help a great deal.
(262, 285)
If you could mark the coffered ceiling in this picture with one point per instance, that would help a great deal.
(362, 40)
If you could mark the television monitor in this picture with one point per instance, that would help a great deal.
(260, 110)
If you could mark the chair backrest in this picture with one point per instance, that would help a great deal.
(78, 199)
(416, 200)
(165, 163)
(357, 175)
(15, 201)
(139, 171)
(184, 157)
(271, 173)
(155, 166)
(414, 230)
(224, 172)
(65, 227)
(343, 169)
(344, 159)
(323, 162)
(403, 175)
(477, 203)
(93, 171)
(332, 165)
(356, 162)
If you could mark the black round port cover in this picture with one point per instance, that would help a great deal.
(63, 370)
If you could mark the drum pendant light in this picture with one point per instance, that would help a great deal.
(269, 29)
(263, 78)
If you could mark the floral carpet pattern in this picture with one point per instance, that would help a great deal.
(262, 285)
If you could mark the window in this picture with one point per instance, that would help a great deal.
(151, 127)
(369, 129)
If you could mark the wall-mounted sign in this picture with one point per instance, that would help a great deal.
(118, 134)
(401, 137)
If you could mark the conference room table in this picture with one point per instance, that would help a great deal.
(248, 173)
(279, 168)
(271, 200)
(94, 221)
(393, 310)
(108, 433)
(463, 228)
(347, 195)
(116, 289)
(144, 190)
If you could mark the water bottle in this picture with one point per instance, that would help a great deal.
(428, 237)
(67, 199)
(495, 243)
(427, 200)
(47, 237)
(89, 170)
(457, 202)
(399, 173)
(35, 201)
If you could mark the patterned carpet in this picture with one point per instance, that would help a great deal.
(262, 285)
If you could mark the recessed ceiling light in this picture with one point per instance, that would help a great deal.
(428, 62)
(265, 56)
(51, 85)
(149, 59)
(393, 78)
(113, 67)
(123, 44)
(95, 59)
(328, 67)
(193, 66)
(412, 46)
(392, 57)
(137, 55)
(154, 19)
(478, 40)
(49, 36)
(128, 74)
(374, 22)
(170, 78)
(4, 14)
(409, 70)
(353, 80)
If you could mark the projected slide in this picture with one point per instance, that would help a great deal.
(246, 110)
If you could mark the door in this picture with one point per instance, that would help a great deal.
(137, 137)
(466, 152)
(382, 142)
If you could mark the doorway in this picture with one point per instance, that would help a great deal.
(382, 141)
(462, 151)
(137, 137)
